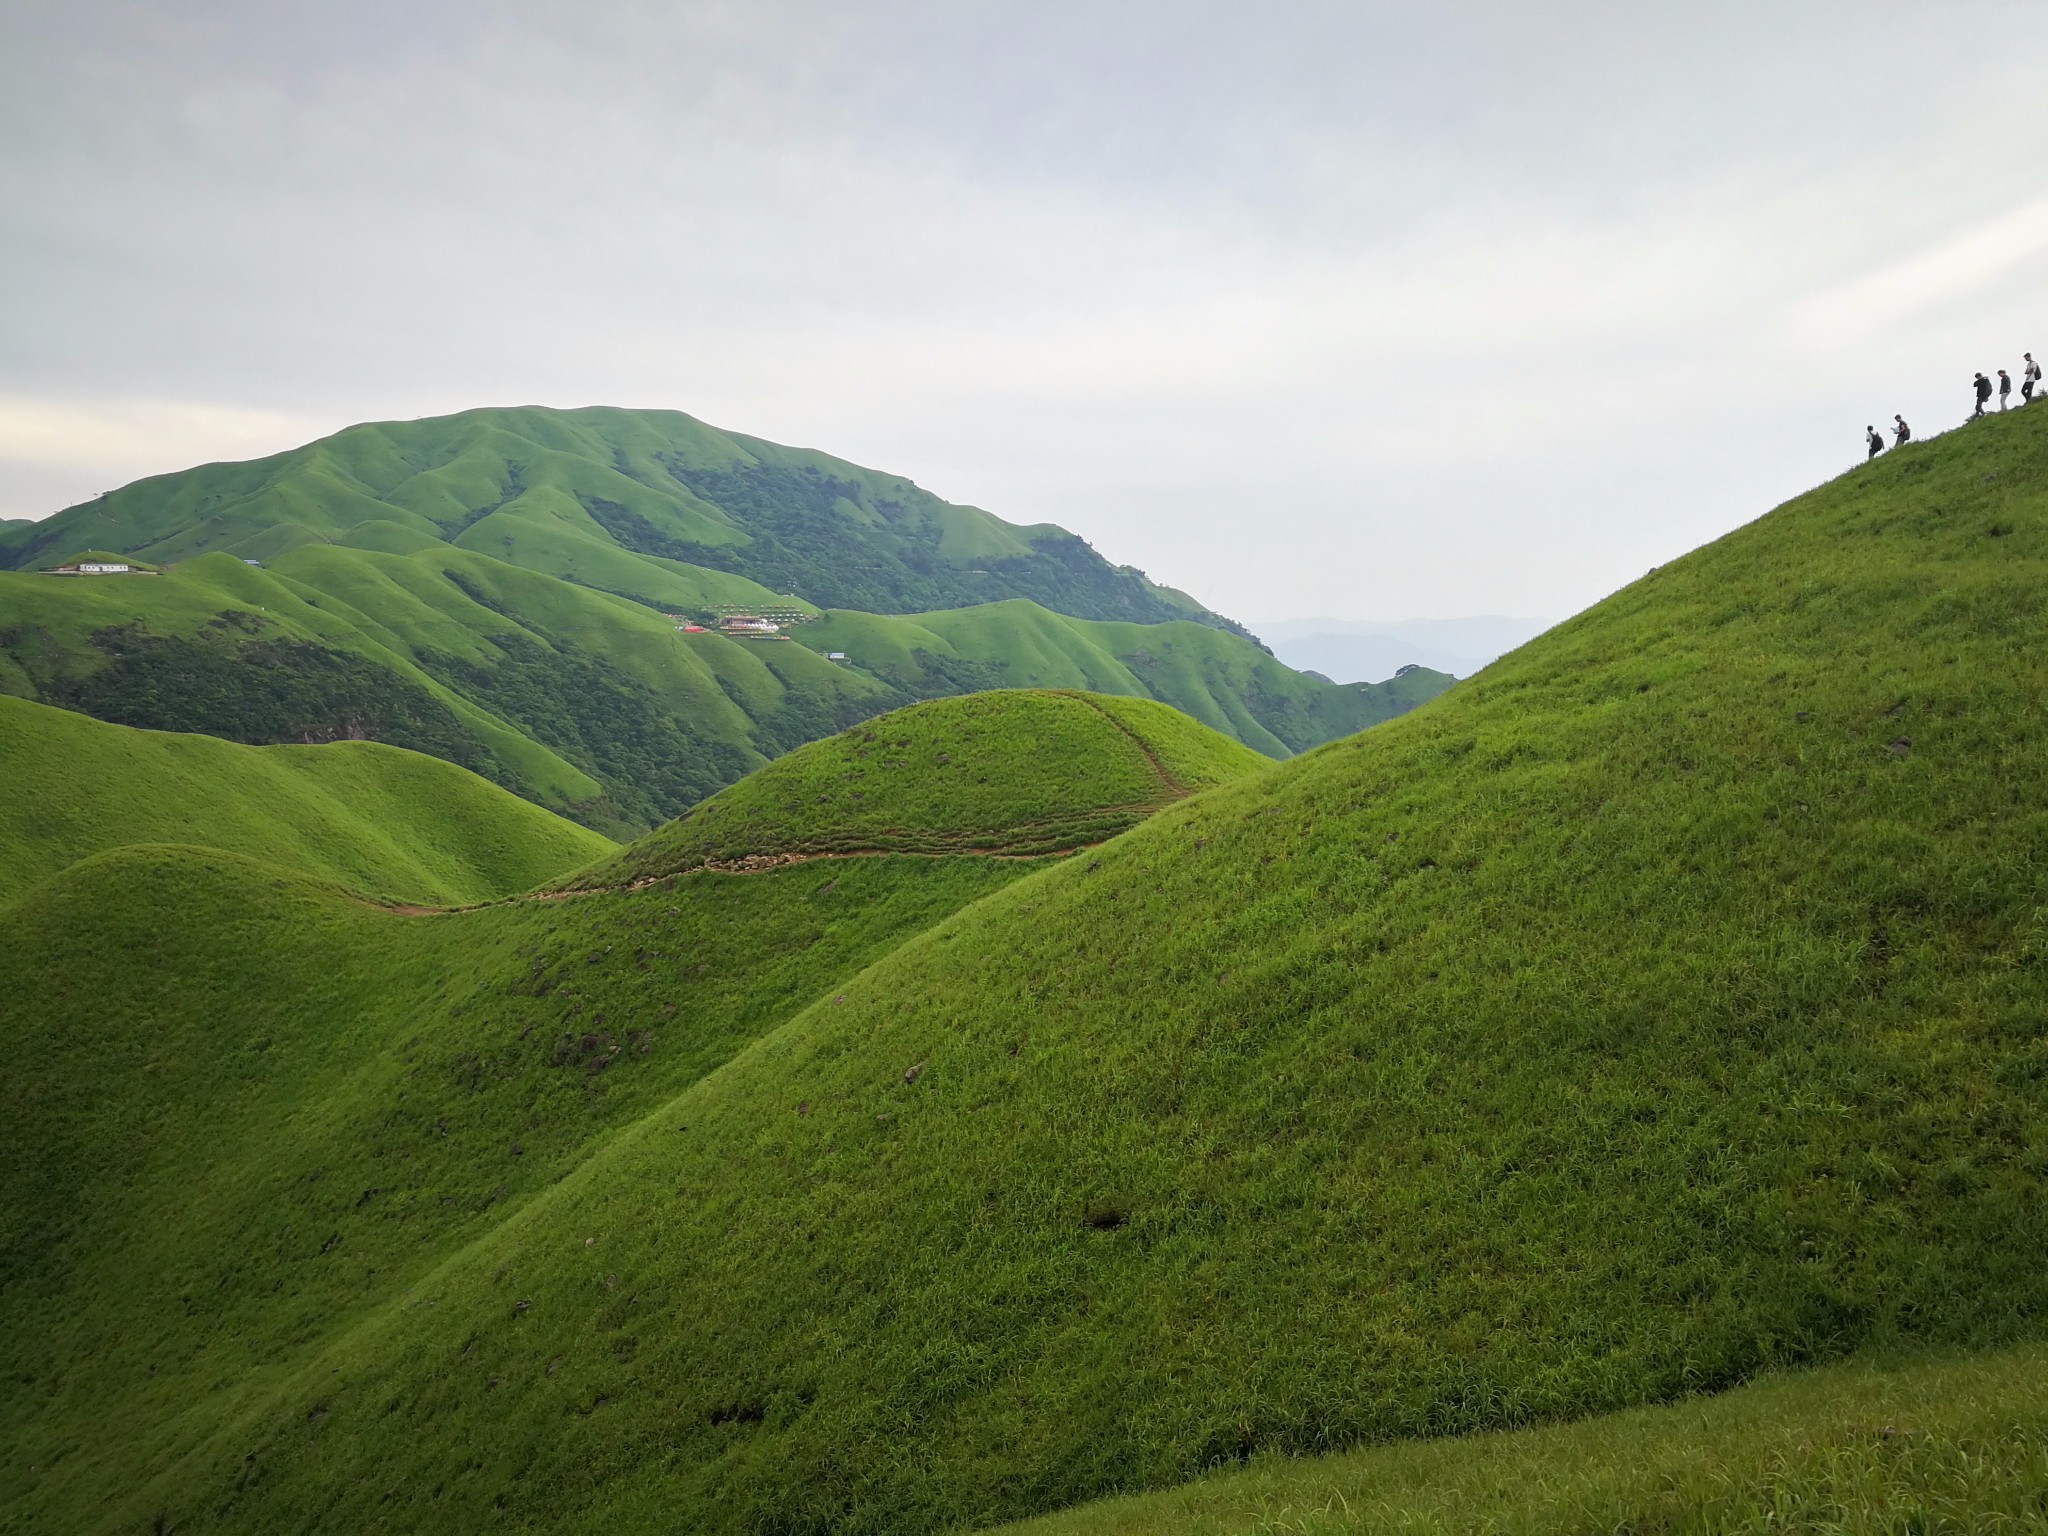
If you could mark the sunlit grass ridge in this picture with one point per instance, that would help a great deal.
(1015, 772)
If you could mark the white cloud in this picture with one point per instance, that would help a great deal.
(1952, 271)
(94, 445)
(1359, 310)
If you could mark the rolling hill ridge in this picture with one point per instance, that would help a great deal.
(1658, 1008)
(603, 494)
(1016, 773)
(389, 824)
(286, 1105)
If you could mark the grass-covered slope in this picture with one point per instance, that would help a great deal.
(1852, 1450)
(495, 588)
(581, 701)
(385, 822)
(1009, 773)
(1662, 1006)
(629, 501)
(243, 1112)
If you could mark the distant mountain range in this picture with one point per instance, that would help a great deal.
(1347, 650)
(513, 590)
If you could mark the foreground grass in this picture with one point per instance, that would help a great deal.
(244, 1111)
(1863, 1450)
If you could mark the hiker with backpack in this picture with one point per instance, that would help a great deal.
(1983, 396)
(2004, 388)
(1872, 437)
(2030, 379)
(1901, 434)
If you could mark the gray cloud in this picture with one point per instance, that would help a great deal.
(1369, 309)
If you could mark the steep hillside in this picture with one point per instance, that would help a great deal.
(243, 1112)
(1004, 773)
(390, 824)
(1659, 1007)
(618, 499)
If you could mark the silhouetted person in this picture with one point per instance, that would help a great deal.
(1901, 434)
(1870, 436)
(1983, 395)
(2004, 388)
(2030, 379)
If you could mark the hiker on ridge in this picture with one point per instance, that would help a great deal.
(2004, 388)
(1983, 395)
(1901, 434)
(2030, 379)
(1870, 436)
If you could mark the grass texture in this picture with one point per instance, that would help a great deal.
(1658, 1009)
(249, 1113)
(390, 824)
(1012, 773)
(1932, 1447)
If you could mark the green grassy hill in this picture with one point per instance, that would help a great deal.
(245, 1113)
(388, 823)
(1658, 1008)
(590, 704)
(332, 1100)
(496, 588)
(629, 501)
(1006, 773)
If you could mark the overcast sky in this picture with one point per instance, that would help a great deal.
(1372, 309)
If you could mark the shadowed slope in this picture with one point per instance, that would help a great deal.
(1854, 1450)
(244, 1111)
(389, 823)
(1012, 773)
